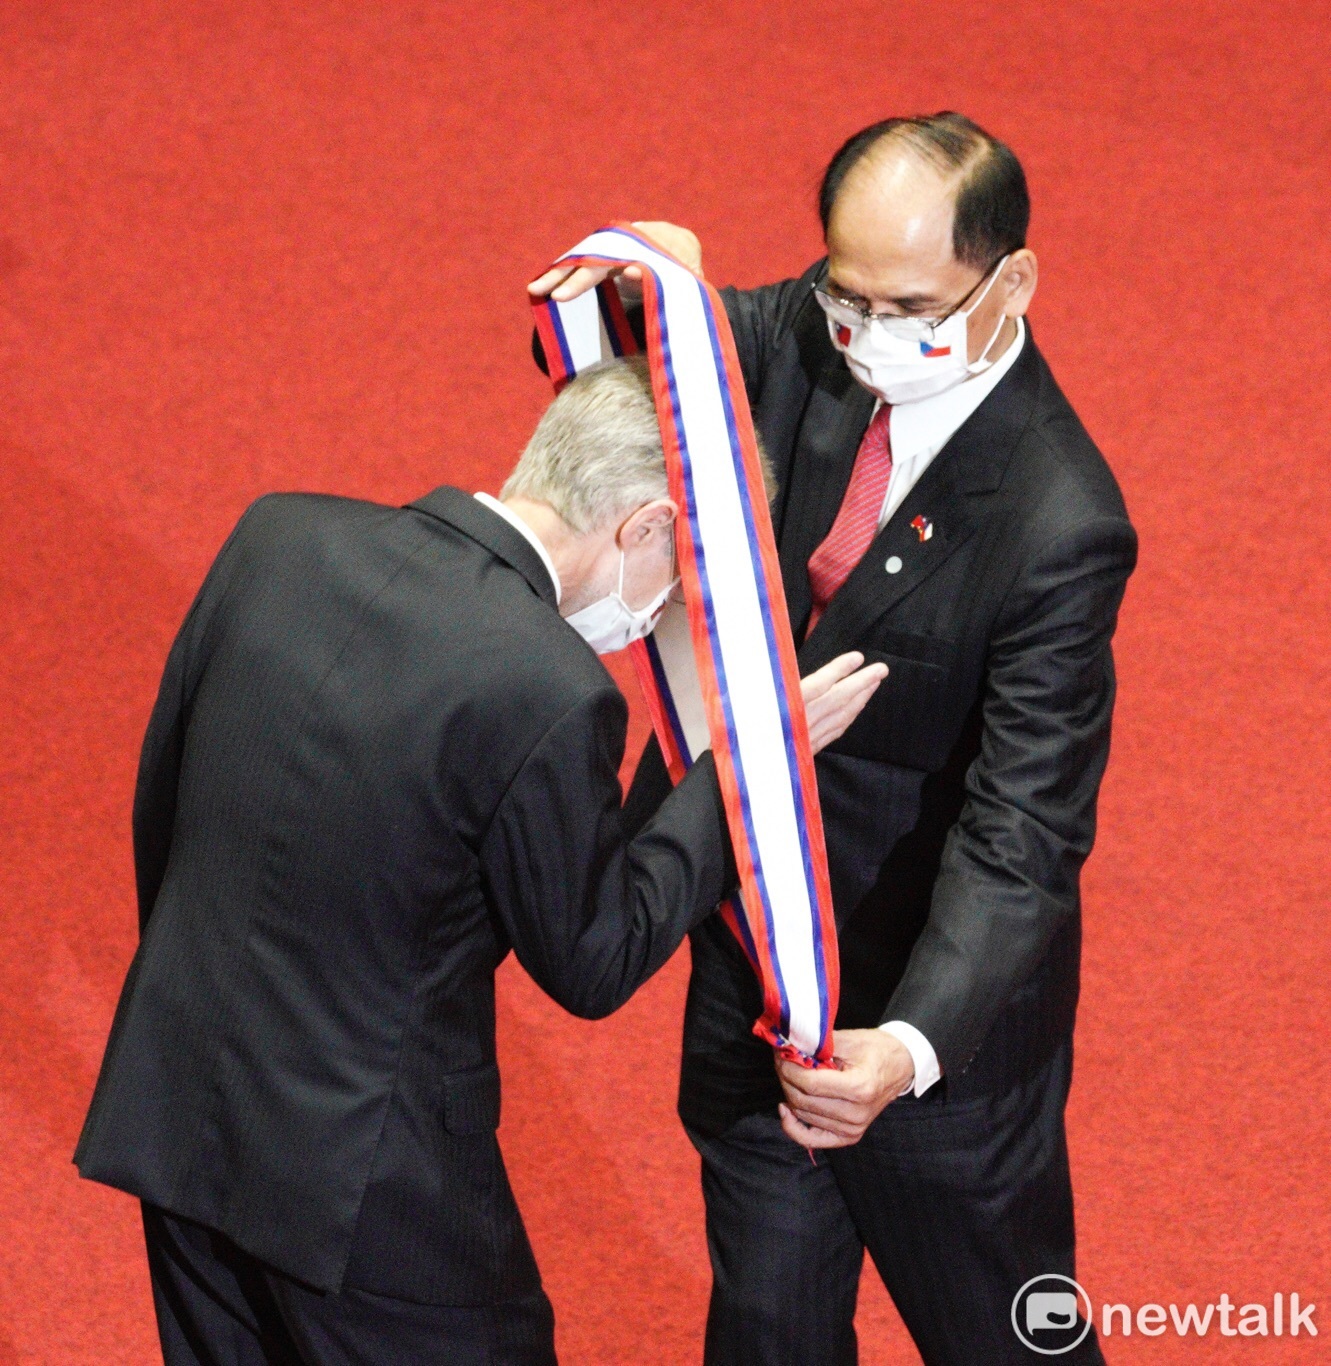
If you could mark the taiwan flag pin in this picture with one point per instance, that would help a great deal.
(924, 528)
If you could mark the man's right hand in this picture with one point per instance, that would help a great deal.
(563, 283)
(836, 694)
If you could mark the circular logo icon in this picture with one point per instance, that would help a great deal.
(1051, 1314)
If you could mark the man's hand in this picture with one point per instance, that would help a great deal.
(836, 694)
(564, 283)
(831, 1107)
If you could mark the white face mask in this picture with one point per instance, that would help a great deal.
(903, 369)
(610, 624)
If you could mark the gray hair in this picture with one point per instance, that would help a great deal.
(596, 453)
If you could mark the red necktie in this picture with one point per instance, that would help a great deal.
(857, 522)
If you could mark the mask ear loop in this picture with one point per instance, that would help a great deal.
(674, 577)
(980, 366)
(619, 592)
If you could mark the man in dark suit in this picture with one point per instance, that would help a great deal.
(378, 761)
(943, 510)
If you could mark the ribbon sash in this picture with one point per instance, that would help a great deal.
(720, 670)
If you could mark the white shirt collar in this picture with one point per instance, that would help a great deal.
(518, 524)
(927, 425)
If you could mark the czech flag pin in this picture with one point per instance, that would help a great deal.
(923, 527)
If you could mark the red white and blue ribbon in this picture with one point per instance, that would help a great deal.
(720, 670)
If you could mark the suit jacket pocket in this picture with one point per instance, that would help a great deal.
(471, 1100)
(438, 1223)
(906, 721)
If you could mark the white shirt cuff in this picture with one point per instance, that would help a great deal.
(921, 1051)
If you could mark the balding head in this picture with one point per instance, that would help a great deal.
(940, 157)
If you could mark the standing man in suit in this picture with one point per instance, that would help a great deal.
(943, 510)
(379, 760)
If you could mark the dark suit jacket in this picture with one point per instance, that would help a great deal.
(960, 806)
(379, 760)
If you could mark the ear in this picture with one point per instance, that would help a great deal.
(649, 520)
(1020, 276)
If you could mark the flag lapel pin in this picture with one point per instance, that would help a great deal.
(923, 527)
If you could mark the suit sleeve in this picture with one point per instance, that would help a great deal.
(592, 914)
(758, 319)
(1011, 866)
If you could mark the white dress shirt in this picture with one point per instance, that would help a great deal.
(518, 524)
(919, 431)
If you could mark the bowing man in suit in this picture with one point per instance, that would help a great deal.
(942, 510)
(382, 756)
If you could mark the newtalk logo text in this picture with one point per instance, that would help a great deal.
(1053, 1314)
(1231, 1320)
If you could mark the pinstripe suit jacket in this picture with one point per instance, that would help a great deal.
(960, 806)
(378, 760)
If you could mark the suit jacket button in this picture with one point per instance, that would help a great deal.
(893, 565)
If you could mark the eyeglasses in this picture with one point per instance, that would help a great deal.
(850, 314)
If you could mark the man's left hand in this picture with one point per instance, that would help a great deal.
(831, 1107)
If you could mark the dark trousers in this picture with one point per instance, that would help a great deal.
(959, 1205)
(218, 1306)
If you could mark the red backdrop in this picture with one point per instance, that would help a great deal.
(247, 247)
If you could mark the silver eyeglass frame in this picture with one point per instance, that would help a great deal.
(898, 325)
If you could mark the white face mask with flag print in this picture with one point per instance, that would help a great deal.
(903, 369)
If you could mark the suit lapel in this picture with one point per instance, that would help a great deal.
(951, 495)
(898, 559)
(834, 422)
